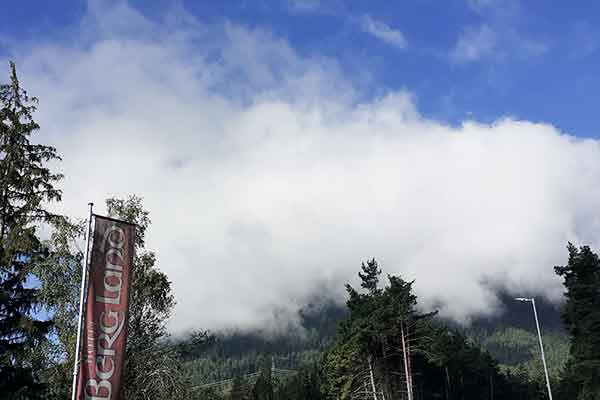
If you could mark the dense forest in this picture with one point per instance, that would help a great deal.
(506, 347)
(379, 345)
(510, 339)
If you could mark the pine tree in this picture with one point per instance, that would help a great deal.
(26, 185)
(369, 342)
(368, 351)
(370, 276)
(581, 315)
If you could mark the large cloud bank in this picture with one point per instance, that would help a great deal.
(269, 178)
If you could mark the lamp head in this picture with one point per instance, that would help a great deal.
(522, 299)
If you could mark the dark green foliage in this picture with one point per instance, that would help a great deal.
(444, 364)
(370, 276)
(59, 285)
(305, 385)
(581, 315)
(511, 338)
(209, 367)
(517, 348)
(207, 394)
(240, 390)
(263, 388)
(461, 369)
(220, 357)
(26, 185)
(373, 332)
(195, 345)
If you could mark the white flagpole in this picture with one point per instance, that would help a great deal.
(81, 301)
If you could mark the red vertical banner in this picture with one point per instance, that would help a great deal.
(102, 352)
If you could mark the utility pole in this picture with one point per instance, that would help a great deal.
(537, 324)
(410, 378)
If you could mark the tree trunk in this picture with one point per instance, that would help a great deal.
(405, 357)
(447, 385)
(491, 385)
(372, 379)
(386, 382)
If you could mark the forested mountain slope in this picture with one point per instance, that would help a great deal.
(510, 337)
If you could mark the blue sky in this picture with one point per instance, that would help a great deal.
(480, 59)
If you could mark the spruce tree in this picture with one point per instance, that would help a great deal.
(370, 276)
(581, 315)
(26, 185)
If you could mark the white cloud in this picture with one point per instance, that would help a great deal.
(383, 32)
(480, 6)
(304, 5)
(486, 42)
(500, 37)
(474, 44)
(269, 184)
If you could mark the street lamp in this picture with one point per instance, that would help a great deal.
(537, 324)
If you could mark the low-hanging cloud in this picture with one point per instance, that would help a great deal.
(268, 181)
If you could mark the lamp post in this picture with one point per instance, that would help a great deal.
(537, 324)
